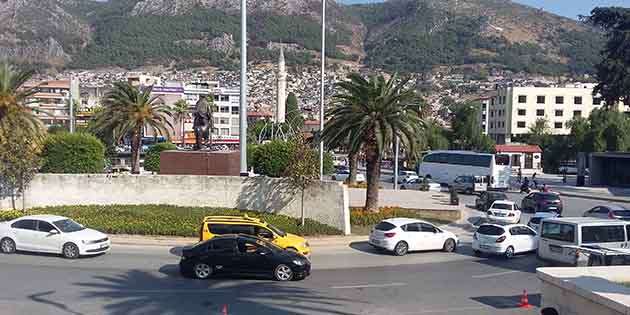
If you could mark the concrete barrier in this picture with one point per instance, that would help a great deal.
(325, 201)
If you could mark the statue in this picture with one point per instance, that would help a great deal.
(202, 123)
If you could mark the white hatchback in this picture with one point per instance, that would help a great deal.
(504, 211)
(402, 235)
(506, 240)
(51, 234)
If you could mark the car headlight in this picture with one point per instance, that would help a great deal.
(298, 262)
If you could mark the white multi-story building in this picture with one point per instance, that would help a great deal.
(51, 100)
(515, 109)
(482, 116)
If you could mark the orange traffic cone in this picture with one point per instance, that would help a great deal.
(225, 309)
(524, 301)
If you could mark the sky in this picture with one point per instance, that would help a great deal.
(568, 8)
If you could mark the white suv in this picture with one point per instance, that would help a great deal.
(402, 235)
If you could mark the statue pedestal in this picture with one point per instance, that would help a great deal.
(218, 163)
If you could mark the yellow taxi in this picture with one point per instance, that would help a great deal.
(220, 225)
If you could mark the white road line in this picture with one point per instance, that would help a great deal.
(359, 286)
(490, 275)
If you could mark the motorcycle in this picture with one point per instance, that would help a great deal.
(525, 188)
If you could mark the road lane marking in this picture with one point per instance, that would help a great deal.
(490, 275)
(360, 286)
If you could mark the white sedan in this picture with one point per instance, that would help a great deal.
(342, 175)
(51, 234)
(504, 211)
(506, 240)
(402, 235)
(417, 183)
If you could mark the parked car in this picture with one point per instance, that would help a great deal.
(506, 240)
(213, 226)
(404, 176)
(611, 211)
(542, 202)
(51, 234)
(534, 221)
(244, 255)
(402, 235)
(343, 174)
(464, 184)
(486, 198)
(417, 184)
(504, 211)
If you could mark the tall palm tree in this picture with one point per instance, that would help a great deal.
(370, 114)
(180, 112)
(14, 99)
(127, 111)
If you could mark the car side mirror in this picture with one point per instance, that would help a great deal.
(53, 232)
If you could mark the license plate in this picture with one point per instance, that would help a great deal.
(375, 242)
(484, 246)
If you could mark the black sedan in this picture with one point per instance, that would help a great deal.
(243, 255)
(486, 198)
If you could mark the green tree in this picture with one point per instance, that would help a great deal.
(152, 158)
(580, 137)
(467, 133)
(539, 132)
(13, 101)
(435, 136)
(303, 168)
(294, 114)
(180, 113)
(613, 72)
(76, 153)
(127, 111)
(370, 114)
(271, 159)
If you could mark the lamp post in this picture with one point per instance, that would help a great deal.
(321, 105)
(71, 106)
(243, 100)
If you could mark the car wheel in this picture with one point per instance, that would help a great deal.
(202, 271)
(7, 246)
(283, 273)
(476, 253)
(401, 248)
(449, 245)
(509, 252)
(334, 178)
(70, 251)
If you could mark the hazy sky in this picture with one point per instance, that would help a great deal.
(569, 8)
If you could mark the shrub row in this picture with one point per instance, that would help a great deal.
(163, 219)
(363, 218)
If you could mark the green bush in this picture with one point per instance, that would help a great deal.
(329, 166)
(164, 220)
(271, 159)
(362, 218)
(152, 159)
(76, 153)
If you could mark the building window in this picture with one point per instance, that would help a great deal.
(540, 112)
(597, 101)
(559, 99)
(522, 112)
(491, 124)
(215, 120)
(522, 99)
(540, 99)
(224, 121)
(577, 100)
(235, 131)
(557, 125)
(520, 124)
(225, 131)
(224, 109)
(483, 106)
(216, 98)
(559, 113)
(483, 116)
(492, 113)
(235, 121)
(577, 113)
(224, 98)
(235, 110)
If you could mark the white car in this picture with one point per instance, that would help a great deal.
(507, 240)
(504, 211)
(534, 221)
(51, 234)
(416, 184)
(402, 235)
(404, 176)
(342, 175)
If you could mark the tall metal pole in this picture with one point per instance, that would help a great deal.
(243, 104)
(321, 105)
(396, 152)
(71, 103)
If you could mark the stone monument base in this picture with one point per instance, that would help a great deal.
(217, 163)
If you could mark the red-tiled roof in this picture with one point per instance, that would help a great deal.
(60, 84)
(517, 148)
(312, 123)
(259, 114)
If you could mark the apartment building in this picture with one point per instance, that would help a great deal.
(51, 99)
(482, 116)
(515, 109)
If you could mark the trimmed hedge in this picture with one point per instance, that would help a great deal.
(363, 218)
(152, 159)
(76, 153)
(163, 219)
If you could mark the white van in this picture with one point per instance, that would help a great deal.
(556, 233)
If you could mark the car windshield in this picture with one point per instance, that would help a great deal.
(68, 226)
(502, 206)
(277, 230)
(384, 226)
(490, 230)
(622, 213)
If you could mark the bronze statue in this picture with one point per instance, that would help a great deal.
(202, 123)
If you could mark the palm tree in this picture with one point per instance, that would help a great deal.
(370, 114)
(127, 111)
(14, 100)
(180, 112)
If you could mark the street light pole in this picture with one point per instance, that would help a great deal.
(396, 152)
(243, 100)
(71, 106)
(321, 105)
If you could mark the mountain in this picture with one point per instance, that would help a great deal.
(400, 35)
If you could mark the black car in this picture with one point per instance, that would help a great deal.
(243, 255)
(486, 198)
(542, 202)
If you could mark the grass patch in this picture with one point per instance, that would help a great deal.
(163, 219)
(362, 222)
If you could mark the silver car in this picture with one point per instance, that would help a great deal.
(611, 211)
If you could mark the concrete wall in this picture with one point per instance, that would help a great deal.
(326, 202)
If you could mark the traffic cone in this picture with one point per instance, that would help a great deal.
(224, 309)
(524, 301)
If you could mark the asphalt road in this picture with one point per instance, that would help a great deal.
(420, 283)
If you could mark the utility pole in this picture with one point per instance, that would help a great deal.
(243, 100)
(321, 105)
(396, 152)
(71, 103)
